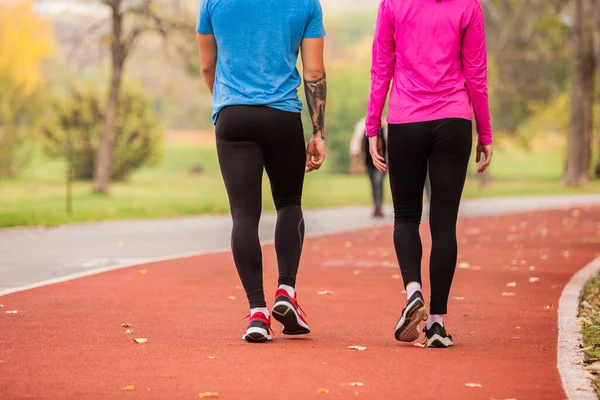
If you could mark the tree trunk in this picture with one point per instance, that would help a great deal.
(102, 171)
(582, 101)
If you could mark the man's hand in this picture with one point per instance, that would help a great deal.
(487, 152)
(315, 153)
(376, 150)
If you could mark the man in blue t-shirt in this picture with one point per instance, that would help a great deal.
(248, 53)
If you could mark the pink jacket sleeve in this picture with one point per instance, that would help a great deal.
(382, 67)
(474, 60)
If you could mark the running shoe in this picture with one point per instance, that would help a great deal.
(407, 328)
(258, 329)
(378, 212)
(436, 336)
(287, 311)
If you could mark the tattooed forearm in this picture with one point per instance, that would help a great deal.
(316, 97)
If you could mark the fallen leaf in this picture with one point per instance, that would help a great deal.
(511, 284)
(141, 340)
(128, 388)
(125, 325)
(585, 349)
(359, 348)
(212, 357)
(129, 331)
(593, 367)
(532, 268)
(534, 279)
(208, 395)
(11, 311)
(508, 294)
(230, 297)
(588, 375)
(323, 292)
(143, 271)
(359, 384)
(322, 391)
(457, 298)
(549, 307)
(1, 305)
(473, 385)
(238, 287)
(464, 265)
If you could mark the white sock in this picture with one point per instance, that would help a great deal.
(433, 318)
(288, 289)
(263, 310)
(411, 288)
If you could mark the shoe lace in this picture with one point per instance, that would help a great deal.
(300, 307)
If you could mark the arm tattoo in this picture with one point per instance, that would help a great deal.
(316, 96)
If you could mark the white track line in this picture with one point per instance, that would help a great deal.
(97, 271)
(569, 339)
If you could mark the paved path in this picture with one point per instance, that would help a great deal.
(31, 255)
(66, 341)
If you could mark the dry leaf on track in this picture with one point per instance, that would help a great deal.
(549, 307)
(323, 292)
(230, 297)
(11, 311)
(359, 348)
(511, 284)
(473, 385)
(458, 298)
(532, 268)
(143, 271)
(208, 395)
(129, 331)
(125, 325)
(141, 340)
(509, 294)
(534, 279)
(464, 265)
(322, 391)
(128, 388)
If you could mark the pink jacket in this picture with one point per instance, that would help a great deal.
(435, 52)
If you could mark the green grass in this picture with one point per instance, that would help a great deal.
(589, 312)
(171, 190)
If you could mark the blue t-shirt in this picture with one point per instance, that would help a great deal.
(257, 45)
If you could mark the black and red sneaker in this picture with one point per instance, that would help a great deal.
(258, 329)
(287, 311)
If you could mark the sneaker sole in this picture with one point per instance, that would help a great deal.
(256, 335)
(439, 341)
(407, 329)
(289, 318)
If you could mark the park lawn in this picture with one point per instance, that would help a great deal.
(589, 313)
(170, 189)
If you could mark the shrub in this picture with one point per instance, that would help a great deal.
(74, 133)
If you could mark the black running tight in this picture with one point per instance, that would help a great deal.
(444, 146)
(251, 139)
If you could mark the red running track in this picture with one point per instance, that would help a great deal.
(66, 341)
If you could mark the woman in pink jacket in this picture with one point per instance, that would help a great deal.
(434, 53)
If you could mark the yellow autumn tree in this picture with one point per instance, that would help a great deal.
(25, 41)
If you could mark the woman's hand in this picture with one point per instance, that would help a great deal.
(487, 152)
(315, 153)
(376, 150)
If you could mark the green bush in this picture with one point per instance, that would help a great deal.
(74, 132)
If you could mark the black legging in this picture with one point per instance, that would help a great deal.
(445, 146)
(250, 139)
